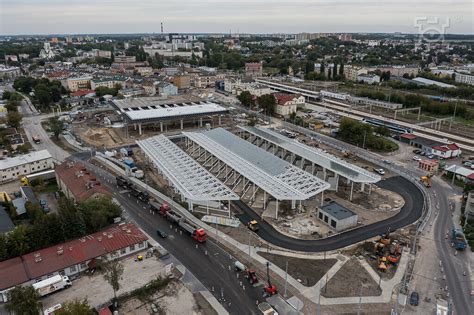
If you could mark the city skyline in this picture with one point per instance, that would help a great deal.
(122, 17)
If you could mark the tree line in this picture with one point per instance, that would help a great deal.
(45, 92)
(266, 102)
(13, 101)
(71, 222)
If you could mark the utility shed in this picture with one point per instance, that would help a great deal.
(337, 216)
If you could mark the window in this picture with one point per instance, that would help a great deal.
(333, 223)
(62, 272)
(326, 219)
(72, 269)
(132, 247)
(141, 244)
(320, 215)
(114, 254)
(123, 251)
(83, 266)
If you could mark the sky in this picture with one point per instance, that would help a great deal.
(244, 16)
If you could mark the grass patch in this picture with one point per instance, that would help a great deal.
(48, 188)
(144, 293)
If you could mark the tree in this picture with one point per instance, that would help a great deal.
(18, 241)
(246, 98)
(268, 103)
(34, 211)
(14, 119)
(56, 126)
(75, 307)
(24, 301)
(112, 272)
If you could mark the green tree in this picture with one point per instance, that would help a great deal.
(112, 273)
(246, 98)
(3, 247)
(24, 301)
(14, 119)
(75, 307)
(56, 126)
(34, 211)
(18, 241)
(268, 103)
(98, 213)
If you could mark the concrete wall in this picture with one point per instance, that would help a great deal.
(15, 172)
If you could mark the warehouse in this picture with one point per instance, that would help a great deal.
(18, 166)
(337, 217)
(249, 168)
(165, 110)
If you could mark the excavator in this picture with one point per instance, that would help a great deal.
(425, 180)
(271, 289)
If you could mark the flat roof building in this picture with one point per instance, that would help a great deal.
(15, 167)
(337, 216)
(153, 110)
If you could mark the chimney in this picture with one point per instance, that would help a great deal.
(109, 235)
(60, 250)
(99, 239)
(38, 257)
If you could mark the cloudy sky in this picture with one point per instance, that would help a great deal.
(245, 16)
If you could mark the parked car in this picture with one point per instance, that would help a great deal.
(414, 298)
(422, 153)
(161, 234)
(431, 156)
(467, 163)
(416, 158)
(379, 171)
(417, 151)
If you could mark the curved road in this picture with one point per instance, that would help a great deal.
(409, 213)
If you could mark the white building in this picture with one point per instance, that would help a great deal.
(337, 217)
(368, 78)
(237, 86)
(351, 73)
(464, 78)
(15, 167)
(9, 72)
(286, 104)
(46, 52)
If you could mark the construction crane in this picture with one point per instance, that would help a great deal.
(271, 289)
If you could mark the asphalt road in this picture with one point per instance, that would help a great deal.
(409, 213)
(207, 262)
(459, 286)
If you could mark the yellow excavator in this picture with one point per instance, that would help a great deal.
(425, 180)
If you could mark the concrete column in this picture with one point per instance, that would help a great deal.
(161, 126)
(325, 174)
(190, 206)
(352, 190)
(312, 168)
(293, 204)
(200, 122)
(322, 198)
(370, 188)
(276, 210)
(181, 124)
(264, 199)
(134, 126)
(228, 208)
(219, 120)
(362, 187)
(337, 182)
(140, 129)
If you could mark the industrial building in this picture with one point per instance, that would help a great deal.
(337, 217)
(165, 110)
(250, 168)
(315, 161)
(14, 167)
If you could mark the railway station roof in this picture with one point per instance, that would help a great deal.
(314, 155)
(273, 175)
(192, 180)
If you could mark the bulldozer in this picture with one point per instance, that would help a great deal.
(425, 180)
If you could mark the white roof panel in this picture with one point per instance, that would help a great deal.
(24, 159)
(188, 176)
(156, 112)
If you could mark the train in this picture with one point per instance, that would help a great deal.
(392, 127)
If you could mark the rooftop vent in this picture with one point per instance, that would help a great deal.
(38, 257)
(60, 250)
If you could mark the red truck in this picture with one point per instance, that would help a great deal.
(194, 231)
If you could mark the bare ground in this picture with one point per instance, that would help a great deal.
(306, 271)
(351, 280)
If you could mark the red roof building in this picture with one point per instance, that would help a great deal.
(254, 68)
(82, 93)
(78, 183)
(72, 257)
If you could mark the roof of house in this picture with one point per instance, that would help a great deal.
(28, 194)
(441, 148)
(471, 177)
(6, 224)
(337, 211)
(24, 159)
(80, 182)
(283, 98)
(453, 146)
(460, 170)
(408, 136)
(52, 259)
(82, 93)
(12, 273)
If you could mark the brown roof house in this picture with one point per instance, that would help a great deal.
(78, 183)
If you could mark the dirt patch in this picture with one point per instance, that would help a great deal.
(351, 280)
(306, 271)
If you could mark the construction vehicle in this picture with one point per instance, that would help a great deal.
(270, 289)
(161, 209)
(250, 274)
(140, 195)
(425, 180)
(253, 225)
(458, 241)
(194, 231)
(123, 182)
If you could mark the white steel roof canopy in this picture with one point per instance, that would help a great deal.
(273, 175)
(192, 180)
(317, 156)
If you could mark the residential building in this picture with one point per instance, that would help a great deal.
(206, 81)
(345, 37)
(12, 58)
(237, 86)
(254, 68)
(440, 150)
(78, 183)
(13, 167)
(109, 82)
(166, 88)
(351, 72)
(125, 59)
(102, 53)
(368, 78)
(71, 258)
(132, 92)
(337, 216)
(464, 78)
(398, 71)
(144, 71)
(149, 87)
(430, 166)
(182, 81)
(80, 83)
(288, 103)
(9, 72)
